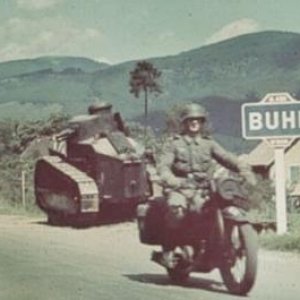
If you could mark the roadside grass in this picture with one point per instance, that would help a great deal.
(8, 208)
(289, 241)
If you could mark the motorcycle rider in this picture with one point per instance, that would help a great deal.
(186, 167)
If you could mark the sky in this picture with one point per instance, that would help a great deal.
(115, 31)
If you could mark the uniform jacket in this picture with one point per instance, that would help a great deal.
(183, 155)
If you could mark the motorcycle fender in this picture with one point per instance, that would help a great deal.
(235, 214)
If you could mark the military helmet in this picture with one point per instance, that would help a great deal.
(98, 107)
(193, 111)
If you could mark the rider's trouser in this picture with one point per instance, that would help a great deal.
(180, 204)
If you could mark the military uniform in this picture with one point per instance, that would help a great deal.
(192, 159)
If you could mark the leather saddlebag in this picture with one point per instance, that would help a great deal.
(150, 218)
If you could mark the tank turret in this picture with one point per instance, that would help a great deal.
(93, 168)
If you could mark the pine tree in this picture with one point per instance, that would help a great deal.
(144, 79)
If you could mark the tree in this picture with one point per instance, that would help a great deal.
(144, 78)
(15, 136)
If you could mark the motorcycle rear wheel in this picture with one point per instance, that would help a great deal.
(239, 263)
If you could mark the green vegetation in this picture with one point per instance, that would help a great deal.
(11, 198)
(286, 242)
(263, 210)
(17, 160)
(144, 79)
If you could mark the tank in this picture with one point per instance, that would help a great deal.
(94, 169)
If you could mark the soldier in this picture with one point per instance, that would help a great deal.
(185, 168)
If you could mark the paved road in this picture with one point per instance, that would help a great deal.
(42, 262)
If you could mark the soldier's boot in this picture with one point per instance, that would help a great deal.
(188, 253)
(168, 259)
(172, 235)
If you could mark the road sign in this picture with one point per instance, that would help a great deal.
(276, 116)
(275, 119)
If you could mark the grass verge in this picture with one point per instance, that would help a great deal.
(289, 241)
(31, 210)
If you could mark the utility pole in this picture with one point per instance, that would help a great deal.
(23, 187)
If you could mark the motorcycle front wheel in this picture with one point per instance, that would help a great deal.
(239, 259)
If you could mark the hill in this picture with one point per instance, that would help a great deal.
(55, 63)
(222, 76)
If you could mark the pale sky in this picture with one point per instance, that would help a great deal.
(120, 30)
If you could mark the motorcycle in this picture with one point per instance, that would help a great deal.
(222, 237)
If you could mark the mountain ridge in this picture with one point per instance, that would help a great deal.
(228, 73)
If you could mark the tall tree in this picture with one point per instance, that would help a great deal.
(144, 78)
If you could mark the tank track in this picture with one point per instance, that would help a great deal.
(65, 187)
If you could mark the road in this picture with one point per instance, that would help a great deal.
(43, 262)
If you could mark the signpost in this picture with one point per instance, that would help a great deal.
(276, 119)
